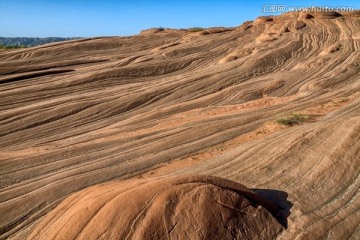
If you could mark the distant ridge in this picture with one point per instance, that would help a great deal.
(33, 41)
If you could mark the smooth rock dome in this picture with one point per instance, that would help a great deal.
(188, 207)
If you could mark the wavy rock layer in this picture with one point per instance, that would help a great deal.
(169, 208)
(169, 102)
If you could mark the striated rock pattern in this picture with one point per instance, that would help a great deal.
(273, 104)
(169, 208)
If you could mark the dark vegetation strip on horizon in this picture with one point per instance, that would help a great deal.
(11, 46)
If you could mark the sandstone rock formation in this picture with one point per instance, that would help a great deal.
(273, 104)
(189, 207)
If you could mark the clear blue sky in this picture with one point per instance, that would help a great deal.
(87, 18)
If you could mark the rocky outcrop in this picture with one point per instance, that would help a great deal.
(272, 104)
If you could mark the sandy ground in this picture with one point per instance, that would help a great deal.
(79, 117)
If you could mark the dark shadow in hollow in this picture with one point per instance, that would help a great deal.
(279, 198)
(33, 75)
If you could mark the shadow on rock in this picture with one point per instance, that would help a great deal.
(279, 198)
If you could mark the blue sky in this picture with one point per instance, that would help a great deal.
(87, 18)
